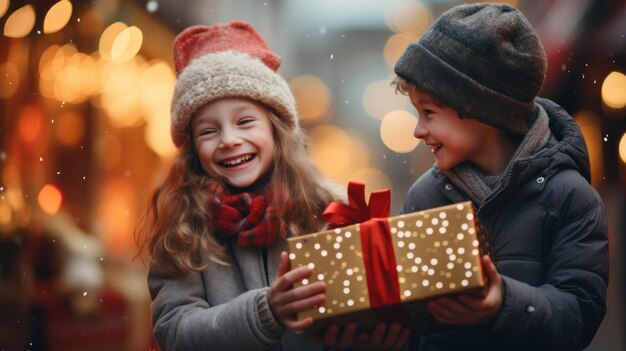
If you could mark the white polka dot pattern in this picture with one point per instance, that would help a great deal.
(436, 253)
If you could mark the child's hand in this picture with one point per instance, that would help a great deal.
(383, 337)
(286, 301)
(466, 309)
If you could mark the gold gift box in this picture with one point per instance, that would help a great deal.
(437, 253)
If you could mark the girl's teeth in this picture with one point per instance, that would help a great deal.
(237, 160)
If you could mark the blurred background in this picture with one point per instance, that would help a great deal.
(85, 89)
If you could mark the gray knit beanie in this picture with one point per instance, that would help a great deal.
(483, 60)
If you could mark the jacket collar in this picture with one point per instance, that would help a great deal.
(565, 150)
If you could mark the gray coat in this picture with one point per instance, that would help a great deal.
(549, 239)
(218, 308)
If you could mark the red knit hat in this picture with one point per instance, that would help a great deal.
(226, 60)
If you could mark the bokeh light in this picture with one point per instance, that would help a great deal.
(46, 68)
(9, 79)
(614, 90)
(20, 22)
(50, 199)
(407, 16)
(61, 74)
(156, 85)
(396, 131)
(57, 17)
(394, 47)
(622, 148)
(380, 97)
(126, 44)
(331, 149)
(30, 123)
(589, 124)
(67, 85)
(108, 37)
(120, 97)
(4, 6)
(116, 214)
(312, 96)
(89, 77)
(337, 153)
(157, 134)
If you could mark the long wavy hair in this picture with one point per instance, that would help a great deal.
(177, 225)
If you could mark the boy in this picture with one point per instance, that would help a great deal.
(473, 78)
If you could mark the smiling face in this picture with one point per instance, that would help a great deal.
(234, 139)
(451, 138)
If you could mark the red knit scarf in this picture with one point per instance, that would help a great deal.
(244, 217)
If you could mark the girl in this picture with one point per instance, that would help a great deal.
(242, 182)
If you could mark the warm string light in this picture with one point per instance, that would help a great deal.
(614, 90)
(21, 22)
(407, 16)
(622, 148)
(312, 95)
(396, 131)
(395, 45)
(4, 6)
(50, 199)
(115, 79)
(57, 17)
(379, 98)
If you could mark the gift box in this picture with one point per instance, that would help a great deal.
(386, 269)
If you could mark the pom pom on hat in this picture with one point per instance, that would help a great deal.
(226, 60)
(484, 60)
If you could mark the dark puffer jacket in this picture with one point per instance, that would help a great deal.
(548, 233)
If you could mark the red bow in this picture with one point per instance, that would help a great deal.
(376, 243)
(340, 215)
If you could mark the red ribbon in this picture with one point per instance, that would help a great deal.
(376, 243)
